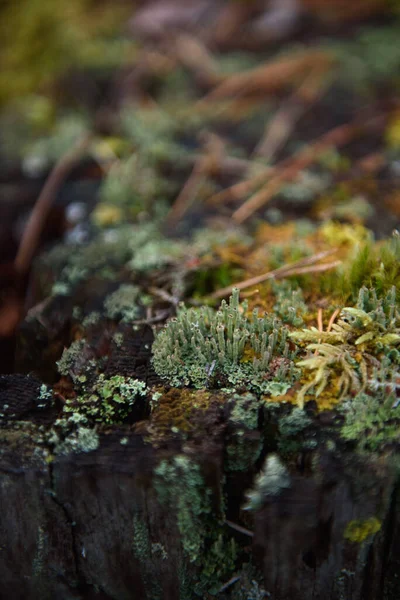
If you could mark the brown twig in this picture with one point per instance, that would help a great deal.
(205, 163)
(300, 267)
(285, 119)
(332, 319)
(319, 320)
(38, 216)
(338, 136)
(239, 528)
(272, 76)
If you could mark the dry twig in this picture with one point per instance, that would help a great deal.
(338, 136)
(38, 216)
(300, 267)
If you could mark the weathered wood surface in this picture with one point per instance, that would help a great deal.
(80, 526)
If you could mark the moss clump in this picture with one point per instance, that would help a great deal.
(358, 531)
(344, 357)
(204, 348)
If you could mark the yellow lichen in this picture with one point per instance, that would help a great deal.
(359, 530)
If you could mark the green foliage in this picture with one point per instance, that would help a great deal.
(109, 400)
(201, 347)
(271, 481)
(180, 486)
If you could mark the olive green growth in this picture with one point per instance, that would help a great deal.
(207, 348)
(342, 358)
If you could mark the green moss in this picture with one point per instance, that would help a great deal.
(218, 564)
(41, 40)
(343, 357)
(368, 265)
(358, 531)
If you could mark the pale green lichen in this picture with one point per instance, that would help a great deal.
(271, 481)
(245, 410)
(81, 439)
(109, 400)
(294, 423)
(70, 357)
(242, 450)
(201, 347)
(180, 485)
(290, 305)
(372, 420)
(122, 304)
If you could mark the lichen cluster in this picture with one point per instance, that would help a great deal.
(204, 348)
(109, 400)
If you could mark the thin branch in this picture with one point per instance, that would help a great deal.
(239, 528)
(296, 268)
(339, 136)
(285, 119)
(332, 319)
(319, 320)
(39, 214)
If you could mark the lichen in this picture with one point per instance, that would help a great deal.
(108, 400)
(271, 481)
(358, 531)
(122, 304)
(204, 348)
(180, 486)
